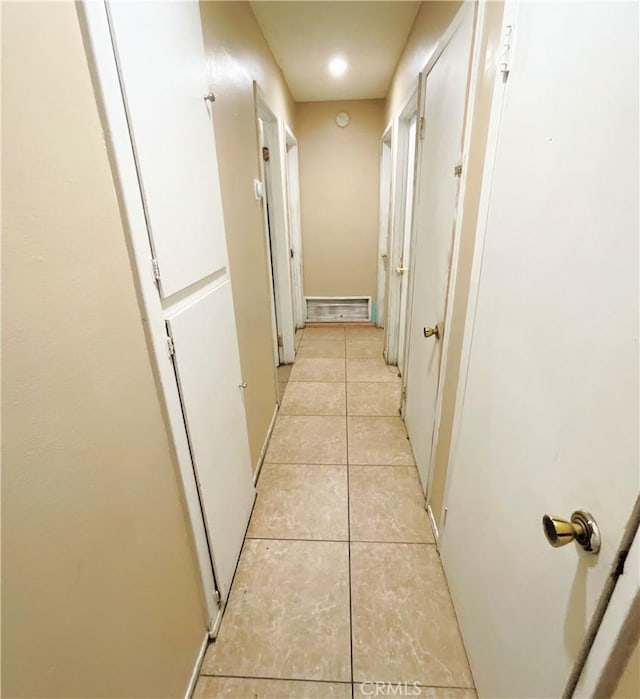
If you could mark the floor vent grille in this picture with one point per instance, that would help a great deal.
(338, 309)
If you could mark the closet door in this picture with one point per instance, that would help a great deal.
(161, 62)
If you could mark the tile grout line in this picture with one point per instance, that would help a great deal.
(321, 681)
(346, 422)
(341, 541)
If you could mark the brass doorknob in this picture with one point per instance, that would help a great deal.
(582, 528)
(428, 332)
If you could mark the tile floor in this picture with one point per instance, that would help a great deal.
(339, 583)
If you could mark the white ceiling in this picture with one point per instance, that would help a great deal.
(304, 35)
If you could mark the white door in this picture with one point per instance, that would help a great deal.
(437, 189)
(547, 417)
(162, 67)
(405, 258)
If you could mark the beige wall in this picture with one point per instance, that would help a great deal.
(431, 21)
(238, 54)
(339, 190)
(628, 686)
(100, 594)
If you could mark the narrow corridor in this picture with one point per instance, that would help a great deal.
(339, 585)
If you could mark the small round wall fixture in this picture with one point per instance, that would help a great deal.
(342, 119)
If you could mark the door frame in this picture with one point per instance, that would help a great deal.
(399, 200)
(96, 31)
(295, 226)
(384, 224)
(276, 226)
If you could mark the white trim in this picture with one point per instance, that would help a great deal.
(265, 446)
(384, 220)
(100, 54)
(267, 256)
(195, 673)
(278, 215)
(398, 206)
(609, 643)
(434, 526)
(292, 163)
(215, 626)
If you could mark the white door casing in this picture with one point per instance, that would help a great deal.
(404, 263)
(150, 69)
(295, 228)
(384, 228)
(403, 164)
(445, 97)
(276, 195)
(277, 351)
(547, 409)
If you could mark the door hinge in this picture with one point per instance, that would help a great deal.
(266, 155)
(505, 52)
(421, 128)
(404, 393)
(171, 348)
(216, 598)
(457, 170)
(444, 516)
(156, 269)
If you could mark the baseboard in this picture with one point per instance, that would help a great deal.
(434, 526)
(196, 668)
(263, 451)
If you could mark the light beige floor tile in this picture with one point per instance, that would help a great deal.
(331, 332)
(318, 369)
(314, 398)
(308, 440)
(370, 370)
(364, 350)
(364, 332)
(301, 502)
(381, 398)
(243, 688)
(378, 441)
(288, 613)
(386, 504)
(284, 372)
(404, 626)
(330, 349)
(282, 387)
(366, 689)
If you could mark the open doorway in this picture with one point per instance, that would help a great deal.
(273, 193)
(400, 248)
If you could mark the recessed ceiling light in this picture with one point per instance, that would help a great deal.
(338, 66)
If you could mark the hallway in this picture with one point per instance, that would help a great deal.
(339, 583)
